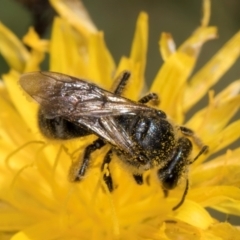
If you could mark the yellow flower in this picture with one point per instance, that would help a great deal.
(37, 200)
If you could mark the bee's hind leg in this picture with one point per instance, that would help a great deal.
(78, 169)
(107, 174)
(107, 177)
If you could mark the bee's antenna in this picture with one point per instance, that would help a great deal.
(203, 150)
(183, 197)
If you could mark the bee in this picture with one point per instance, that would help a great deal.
(142, 136)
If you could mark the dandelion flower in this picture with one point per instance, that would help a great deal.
(37, 200)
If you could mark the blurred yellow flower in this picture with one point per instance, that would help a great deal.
(38, 202)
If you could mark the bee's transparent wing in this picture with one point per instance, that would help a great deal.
(107, 128)
(62, 95)
(82, 103)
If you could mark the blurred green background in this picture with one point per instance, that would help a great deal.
(117, 18)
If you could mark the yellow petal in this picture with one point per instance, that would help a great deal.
(228, 206)
(48, 229)
(20, 236)
(211, 120)
(67, 49)
(27, 109)
(38, 49)
(139, 45)
(35, 60)
(229, 92)
(15, 54)
(212, 72)
(229, 135)
(206, 13)
(223, 198)
(75, 14)
(222, 231)
(136, 63)
(32, 40)
(193, 214)
(167, 45)
(73, 55)
(171, 79)
(140, 41)
(220, 110)
(3, 91)
(181, 230)
(12, 220)
(223, 170)
(8, 118)
(101, 64)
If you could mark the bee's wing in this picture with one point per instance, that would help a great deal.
(65, 96)
(107, 128)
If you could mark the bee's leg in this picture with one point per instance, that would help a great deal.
(122, 82)
(150, 97)
(138, 178)
(190, 133)
(107, 174)
(77, 172)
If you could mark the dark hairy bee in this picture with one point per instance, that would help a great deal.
(140, 135)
